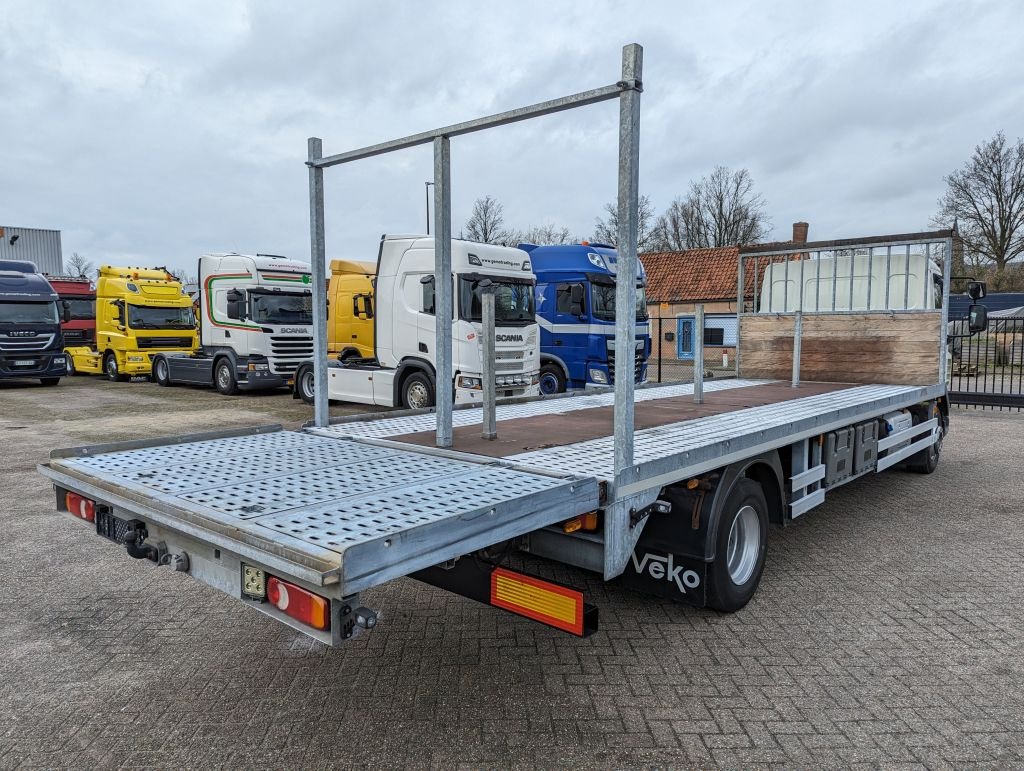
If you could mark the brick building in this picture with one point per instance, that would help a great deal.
(678, 281)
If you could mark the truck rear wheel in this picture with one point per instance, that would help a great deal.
(224, 377)
(552, 379)
(71, 366)
(927, 460)
(304, 384)
(161, 373)
(741, 539)
(110, 368)
(417, 392)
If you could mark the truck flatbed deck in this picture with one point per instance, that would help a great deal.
(360, 503)
(672, 432)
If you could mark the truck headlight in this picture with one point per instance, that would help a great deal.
(598, 376)
(136, 358)
(472, 383)
(258, 366)
(534, 378)
(59, 360)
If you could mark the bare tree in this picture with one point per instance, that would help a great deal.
(720, 209)
(78, 265)
(985, 198)
(486, 223)
(546, 234)
(606, 231)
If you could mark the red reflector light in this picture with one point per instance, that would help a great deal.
(81, 507)
(301, 605)
(551, 604)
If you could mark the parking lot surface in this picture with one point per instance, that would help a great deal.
(888, 631)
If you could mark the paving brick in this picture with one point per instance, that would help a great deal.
(888, 632)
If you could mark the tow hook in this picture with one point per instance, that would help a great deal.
(134, 541)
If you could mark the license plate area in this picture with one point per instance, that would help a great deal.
(111, 527)
(24, 362)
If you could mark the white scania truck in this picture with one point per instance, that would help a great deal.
(256, 325)
(402, 371)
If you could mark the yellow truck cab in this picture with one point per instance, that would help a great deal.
(350, 309)
(139, 312)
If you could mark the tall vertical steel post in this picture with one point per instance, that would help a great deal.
(443, 386)
(490, 423)
(798, 336)
(318, 258)
(698, 354)
(625, 289)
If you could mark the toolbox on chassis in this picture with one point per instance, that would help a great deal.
(297, 524)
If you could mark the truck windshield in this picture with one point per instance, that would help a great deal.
(29, 313)
(148, 317)
(603, 297)
(513, 301)
(82, 308)
(281, 308)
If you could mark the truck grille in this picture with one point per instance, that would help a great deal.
(78, 335)
(638, 363)
(508, 361)
(287, 353)
(165, 342)
(25, 344)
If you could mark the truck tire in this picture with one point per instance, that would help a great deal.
(417, 391)
(552, 379)
(161, 372)
(110, 368)
(71, 366)
(224, 377)
(926, 461)
(49, 381)
(741, 538)
(304, 383)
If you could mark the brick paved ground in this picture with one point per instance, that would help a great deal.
(889, 630)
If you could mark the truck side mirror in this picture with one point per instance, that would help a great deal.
(977, 318)
(119, 305)
(65, 311)
(234, 310)
(976, 290)
(368, 306)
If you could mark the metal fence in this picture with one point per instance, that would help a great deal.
(987, 370)
(673, 348)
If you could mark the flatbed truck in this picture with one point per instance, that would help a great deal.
(255, 325)
(296, 524)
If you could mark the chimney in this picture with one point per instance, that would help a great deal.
(800, 232)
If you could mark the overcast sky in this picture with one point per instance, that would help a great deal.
(150, 133)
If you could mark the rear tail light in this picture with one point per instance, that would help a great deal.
(81, 507)
(301, 605)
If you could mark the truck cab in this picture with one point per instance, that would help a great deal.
(31, 341)
(576, 314)
(139, 313)
(256, 325)
(350, 309)
(79, 294)
(401, 372)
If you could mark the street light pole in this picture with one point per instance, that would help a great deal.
(426, 193)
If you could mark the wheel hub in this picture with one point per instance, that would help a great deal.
(743, 545)
(416, 395)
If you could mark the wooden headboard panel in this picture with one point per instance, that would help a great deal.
(901, 348)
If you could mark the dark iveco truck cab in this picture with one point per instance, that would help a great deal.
(31, 341)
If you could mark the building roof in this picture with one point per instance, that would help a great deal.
(692, 275)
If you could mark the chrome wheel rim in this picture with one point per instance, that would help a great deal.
(417, 396)
(548, 384)
(111, 367)
(743, 545)
(161, 370)
(307, 385)
(223, 376)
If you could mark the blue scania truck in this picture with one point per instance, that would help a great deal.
(31, 341)
(576, 315)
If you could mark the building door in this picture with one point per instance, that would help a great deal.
(684, 338)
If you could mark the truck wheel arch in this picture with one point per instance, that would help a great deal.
(405, 368)
(547, 358)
